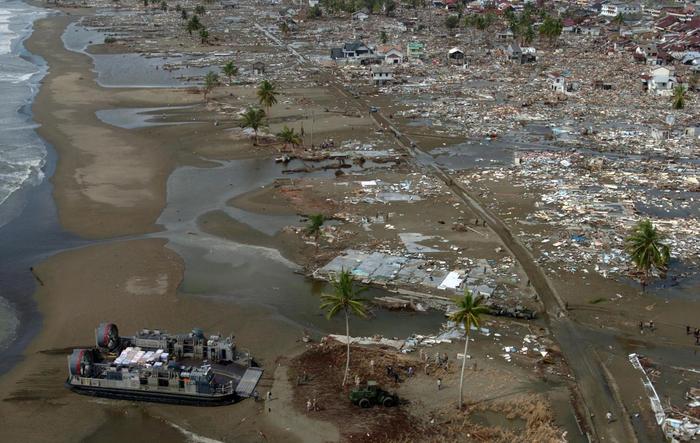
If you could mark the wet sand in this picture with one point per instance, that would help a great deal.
(110, 183)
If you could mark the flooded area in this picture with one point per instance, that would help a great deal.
(135, 118)
(245, 273)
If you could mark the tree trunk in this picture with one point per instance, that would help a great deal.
(347, 360)
(464, 364)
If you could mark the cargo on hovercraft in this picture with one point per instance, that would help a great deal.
(153, 365)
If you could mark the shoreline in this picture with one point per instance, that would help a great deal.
(35, 223)
(130, 280)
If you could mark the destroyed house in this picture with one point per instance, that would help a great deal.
(351, 50)
(614, 9)
(360, 16)
(258, 68)
(514, 51)
(455, 55)
(382, 75)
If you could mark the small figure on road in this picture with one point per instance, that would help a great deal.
(609, 416)
(439, 383)
(371, 366)
(308, 405)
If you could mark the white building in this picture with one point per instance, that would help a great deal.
(313, 3)
(661, 81)
(614, 9)
(382, 75)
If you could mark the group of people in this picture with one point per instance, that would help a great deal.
(439, 360)
(650, 325)
(696, 333)
(312, 405)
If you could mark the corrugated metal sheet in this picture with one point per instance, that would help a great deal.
(248, 382)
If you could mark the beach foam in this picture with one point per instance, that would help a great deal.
(22, 152)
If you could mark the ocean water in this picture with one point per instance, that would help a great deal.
(22, 152)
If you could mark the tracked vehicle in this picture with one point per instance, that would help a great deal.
(372, 394)
(153, 365)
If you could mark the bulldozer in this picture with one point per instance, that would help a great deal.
(371, 395)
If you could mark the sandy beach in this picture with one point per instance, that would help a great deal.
(110, 183)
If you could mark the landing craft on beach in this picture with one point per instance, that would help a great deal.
(188, 369)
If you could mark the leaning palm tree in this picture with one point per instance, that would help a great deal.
(678, 97)
(267, 94)
(211, 81)
(344, 299)
(289, 137)
(647, 251)
(253, 119)
(468, 313)
(230, 70)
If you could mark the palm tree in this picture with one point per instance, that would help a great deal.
(316, 221)
(229, 70)
(469, 311)
(204, 35)
(678, 97)
(284, 28)
(253, 119)
(193, 24)
(344, 298)
(267, 94)
(289, 137)
(619, 19)
(647, 250)
(211, 81)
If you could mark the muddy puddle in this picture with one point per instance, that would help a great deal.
(249, 274)
(130, 70)
(136, 118)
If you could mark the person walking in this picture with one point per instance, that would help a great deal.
(308, 405)
(371, 366)
(439, 383)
